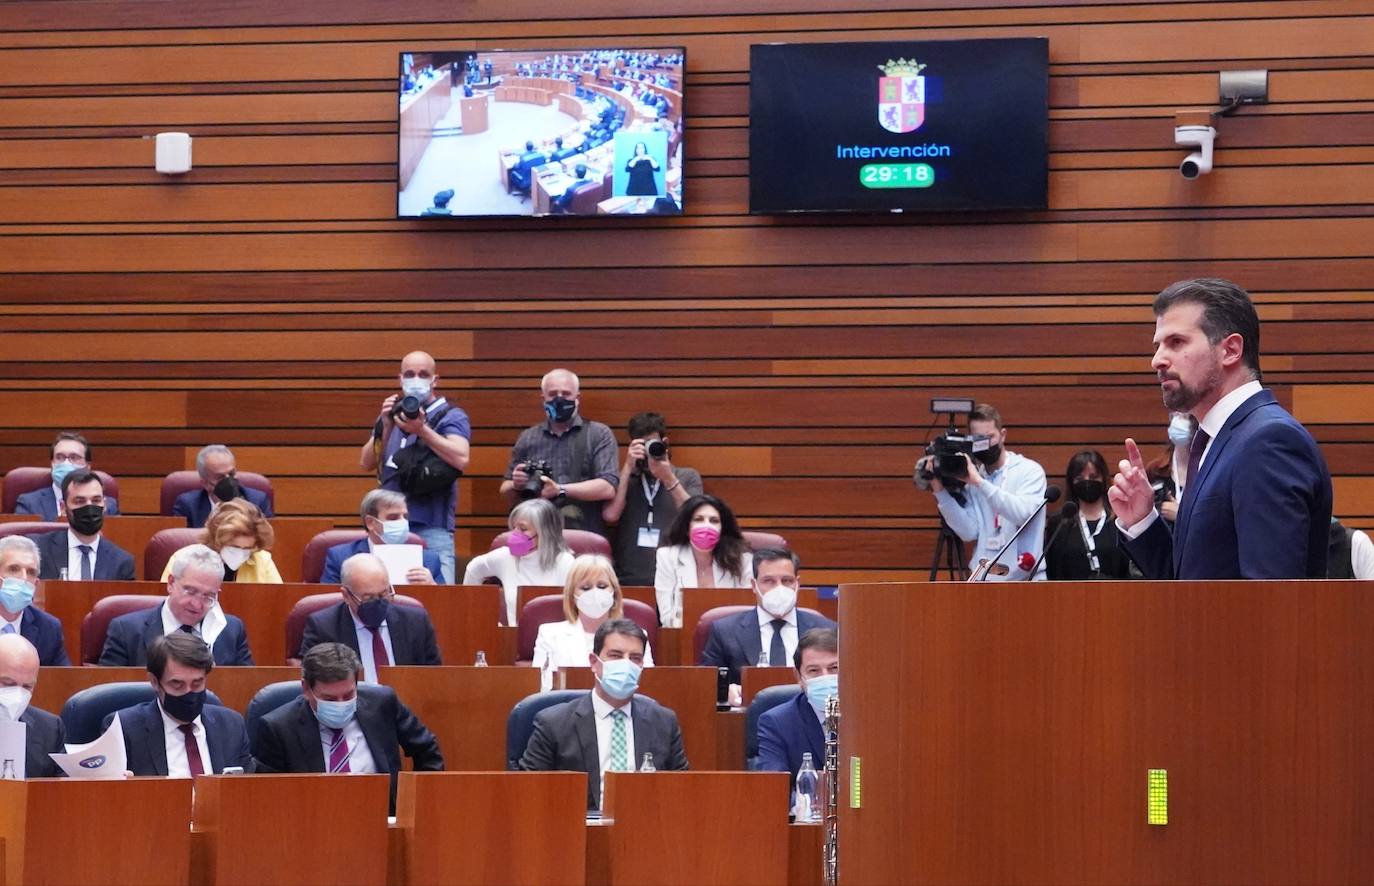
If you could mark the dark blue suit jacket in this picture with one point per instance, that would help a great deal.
(45, 735)
(44, 631)
(785, 733)
(44, 503)
(129, 636)
(1260, 506)
(145, 739)
(334, 559)
(195, 505)
(112, 563)
(735, 642)
(412, 633)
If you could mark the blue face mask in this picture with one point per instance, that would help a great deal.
(619, 677)
(1180, 430)
(335, 714)
(15, 594)
(60, 472)
(394, 532)
(819, 689)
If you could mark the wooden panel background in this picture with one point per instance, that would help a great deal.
(264, 300)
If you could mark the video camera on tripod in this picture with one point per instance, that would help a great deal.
(944, 455)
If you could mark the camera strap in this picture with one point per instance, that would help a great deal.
(579, 453)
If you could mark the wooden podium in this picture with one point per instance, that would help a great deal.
(253, 829)
(516, 827)
(1005, 732)
(67, 832)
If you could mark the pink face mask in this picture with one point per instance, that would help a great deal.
(704, 538)
(519, 543)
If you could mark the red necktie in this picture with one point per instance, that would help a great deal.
(379, 657)
(1195, 451)
(193, 761)
(338, 751)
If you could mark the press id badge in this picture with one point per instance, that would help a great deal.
(648, 537)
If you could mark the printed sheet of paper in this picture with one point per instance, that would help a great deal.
(399, 560)
(102, 758)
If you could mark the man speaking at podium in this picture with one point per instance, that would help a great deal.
(1258, 499)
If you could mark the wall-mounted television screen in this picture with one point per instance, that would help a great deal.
(565, 132)
(898, 126)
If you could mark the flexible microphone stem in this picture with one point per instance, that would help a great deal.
(1067, 514)
(981, 573)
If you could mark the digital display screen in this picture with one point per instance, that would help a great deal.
(540, 132)
(909, 126)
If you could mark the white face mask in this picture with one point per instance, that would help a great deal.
(780, 601)
(234, 556)
(1180, 430)
(595, 602)
(14, 700)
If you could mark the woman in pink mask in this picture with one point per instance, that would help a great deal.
(591, 596)
(534, 553)
(704, 548)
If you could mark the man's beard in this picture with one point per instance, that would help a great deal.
(1185, 398)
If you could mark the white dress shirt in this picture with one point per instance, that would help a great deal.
(12, 622)
(1361, 556)
(564, 644)
(515, 571)
(177, 764)
(789, 635)
(602, 709)
(360, 760)
(675, 568)
(365, 648)
(74, 555)
(211, 624)
(1212, 423)
(61, 503)
(994, 510)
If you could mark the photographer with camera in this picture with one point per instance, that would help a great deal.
(651, 490)
(985, 492)
(419, 447)
(565, 459)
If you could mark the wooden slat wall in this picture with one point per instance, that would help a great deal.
(264, 300)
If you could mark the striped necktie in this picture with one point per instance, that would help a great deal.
(338, 752)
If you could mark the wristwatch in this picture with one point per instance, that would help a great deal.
(562, 494)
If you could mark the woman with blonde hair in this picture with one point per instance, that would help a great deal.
(534, 554)
(591, 597)
(241, 535)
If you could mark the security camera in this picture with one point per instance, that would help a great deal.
(1199, 162)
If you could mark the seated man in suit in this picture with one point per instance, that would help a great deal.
(386, 519)
(560, 152)
(608, 729)
(19, 568)
(339, 725)
(78, 550)
(44, 734)
(177, 734)
(69, 452)
(520, 175)
(794, 727)
(216, 466)
(367, 622)
(441, 201)
(773, 625)
(563, 202)
(192, 607)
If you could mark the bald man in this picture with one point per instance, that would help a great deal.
(438, 425)
(18, 677)
(582, 455)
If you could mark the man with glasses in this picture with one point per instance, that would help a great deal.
(69, 452)
(368, 622)
(192, 607)
(767, 634)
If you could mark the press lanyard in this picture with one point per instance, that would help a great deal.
(650, 493)
(1090, 540)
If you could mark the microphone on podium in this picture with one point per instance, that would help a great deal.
(1052, 493)
(1067, 514)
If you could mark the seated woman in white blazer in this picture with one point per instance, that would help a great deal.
(704, 548)
(534, 554)
(591, 596)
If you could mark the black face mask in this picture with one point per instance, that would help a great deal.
(1089, 491)
(87, 519)
(183, 708)
(990, 455)
(228, 488)
(561, 409)
(373, 613)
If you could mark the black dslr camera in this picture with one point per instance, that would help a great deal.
(534, 486)
(407, 406)
(944, 456)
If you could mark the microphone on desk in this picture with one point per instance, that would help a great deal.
(1052, 493)
(1067, 514)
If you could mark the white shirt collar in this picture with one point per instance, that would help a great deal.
(172, 727)
(766, 617)
(603, 708)
(14, 621)
(73, 542)
(209, 629)
(1216, 417)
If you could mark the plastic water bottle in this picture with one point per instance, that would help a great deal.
(481, 661)
(763, 658)
(648, 764)
(808, 806)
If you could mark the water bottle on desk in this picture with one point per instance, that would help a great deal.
(763, 659)
(481, 661)
(648, 764)
(808, 805)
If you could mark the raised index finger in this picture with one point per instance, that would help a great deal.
(1133, 454)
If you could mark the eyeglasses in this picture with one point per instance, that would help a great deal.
(771, 581)
(69, 459)
(388, 595)
(209, 597)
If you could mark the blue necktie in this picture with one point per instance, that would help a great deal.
(8, 629)
(85, 561)
(777, 652)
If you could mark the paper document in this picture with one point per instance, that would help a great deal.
(102, 758)
(399, 560)
(13, 742)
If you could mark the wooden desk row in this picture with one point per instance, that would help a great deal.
(450, 828)
(467, 708)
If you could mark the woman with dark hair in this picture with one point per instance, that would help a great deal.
(641, 169)
(1088, 547)
(704, 548)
